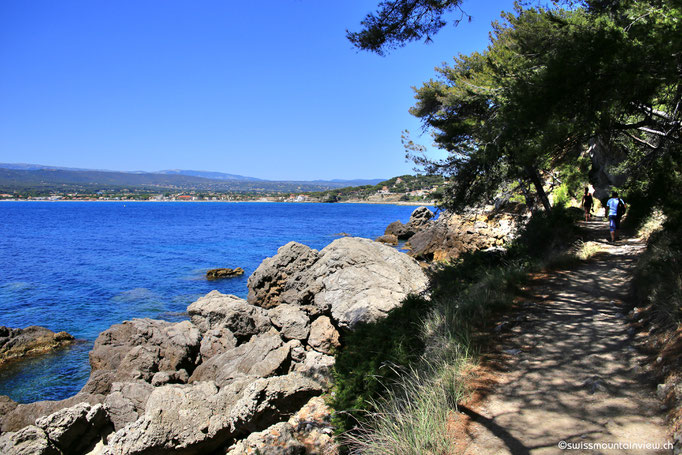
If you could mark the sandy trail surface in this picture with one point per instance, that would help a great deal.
(573, 378)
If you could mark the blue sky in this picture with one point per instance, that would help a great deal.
(268, 89)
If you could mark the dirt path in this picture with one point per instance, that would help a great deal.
(573, 374)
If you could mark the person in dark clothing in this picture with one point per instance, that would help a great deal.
(587, 204)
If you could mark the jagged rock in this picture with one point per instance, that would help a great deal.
(267, 284)
(30, 440)
(355, 279)
(292, 322)
(199, 418)
(317, 366)
(217, 341)
(420, 217)
(126, 401)
(312, 426)
(323, 335)
(76, 429)
(399, 230)
(17, 343)
(217, 274)
(388, 239)
(276, 440)
(216, 310)
(139, 348)
(262, 356)
(605, 174)
(169, 377)
(7, 405)
(453, 234)
(26, 414)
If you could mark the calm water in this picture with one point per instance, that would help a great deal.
(83, 266)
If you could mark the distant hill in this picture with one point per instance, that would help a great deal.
(209, 175)
(35, 177)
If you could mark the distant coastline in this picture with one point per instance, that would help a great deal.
(407, 203)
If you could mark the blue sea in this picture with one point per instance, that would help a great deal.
(83, 266)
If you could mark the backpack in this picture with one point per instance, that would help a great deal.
(620, 210)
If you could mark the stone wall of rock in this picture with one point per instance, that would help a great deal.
(233, 376)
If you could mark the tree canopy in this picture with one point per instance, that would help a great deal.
(550, 80)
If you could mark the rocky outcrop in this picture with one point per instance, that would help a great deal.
(200, 418)
(18, 343)
(388, 239)
(140, 348)
(229, 378)
(218, 274)
(353, 280)
(419, 220)
(454, 234)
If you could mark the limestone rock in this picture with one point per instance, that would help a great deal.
(76, 429)
(30, 440)
(217, 341)
(275, 274)
(17, 343)
(312, 426)
(217, 274)
(139, 348)
(26, 414)
(277, 440)
(362, 280)
(388, 239)
(291, 320)
(317, 366)
(216, 310)
(323, 335)
(199, 418)
(126, 401)
(262, 356)
(399, 230)
(355, 279)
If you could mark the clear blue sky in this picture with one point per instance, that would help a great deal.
(268, 89)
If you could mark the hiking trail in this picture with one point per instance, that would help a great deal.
(573, 373)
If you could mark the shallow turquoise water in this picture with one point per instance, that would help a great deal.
(83, 266)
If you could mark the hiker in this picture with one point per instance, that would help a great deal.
(587, 204)
(615, 208)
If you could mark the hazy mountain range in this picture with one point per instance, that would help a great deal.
(37, 177)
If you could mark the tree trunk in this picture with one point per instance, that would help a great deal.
(534, 177)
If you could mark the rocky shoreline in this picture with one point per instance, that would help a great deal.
(242, 375)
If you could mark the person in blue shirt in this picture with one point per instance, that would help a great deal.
(613, 215)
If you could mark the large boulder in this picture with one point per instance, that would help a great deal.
(140, 348)
(354, 280)
(17, 343)
(360, 281)
(217, 311)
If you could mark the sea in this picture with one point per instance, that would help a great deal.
(84, 266)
